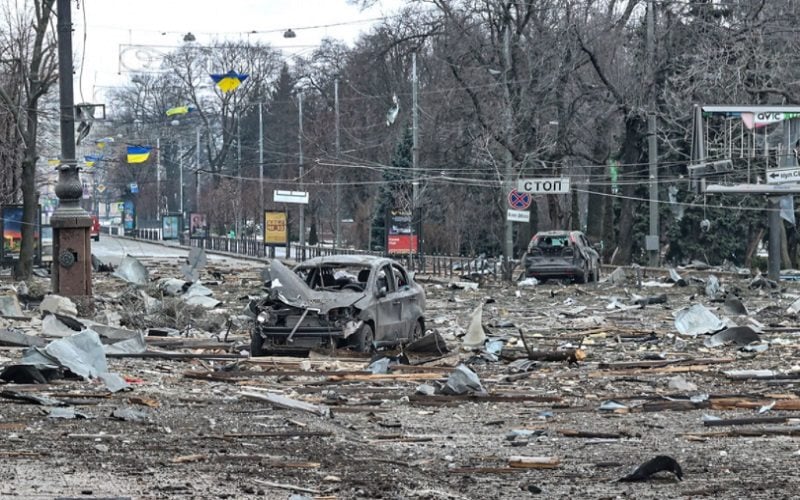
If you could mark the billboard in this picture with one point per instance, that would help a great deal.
(12, 232)
(400, 237)
(129, 215)
(198, 225)
(171, 227)
(276, 228)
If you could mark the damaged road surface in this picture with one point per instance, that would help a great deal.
(540, 391)
(346, 301)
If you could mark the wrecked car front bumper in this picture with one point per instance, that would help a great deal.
(303, 337)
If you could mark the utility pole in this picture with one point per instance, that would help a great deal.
(260, 160)
(652, 243)
(238, 212)
(337, 211)
(197, 171)
(180, 179)
(415, 208)
(72, 266)
(301, 170)
(158, 178)
(508, 179)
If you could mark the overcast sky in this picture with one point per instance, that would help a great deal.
(111, 25)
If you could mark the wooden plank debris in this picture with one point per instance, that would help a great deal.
(650, 371)
(270, 435)
(744, 432)
(592, 435)
(746, 421)
(660, 363)
(731, 403)
(523, 462)
(288, 403)
(370, 377)
(485, 470)
(283, 486)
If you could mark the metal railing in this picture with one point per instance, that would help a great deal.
(429, 264)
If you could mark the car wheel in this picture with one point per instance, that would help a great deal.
(96, 238)
(419, 330)
(584, 276)
(256, 344)
(363, 339)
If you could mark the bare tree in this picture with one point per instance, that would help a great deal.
(28, 48)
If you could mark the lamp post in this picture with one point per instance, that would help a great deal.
(72, 269)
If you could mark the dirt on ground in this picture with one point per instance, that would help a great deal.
(612, 385)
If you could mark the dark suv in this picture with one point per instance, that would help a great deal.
(562, 255)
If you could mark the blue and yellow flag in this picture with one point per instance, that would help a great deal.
(229, 81)
(54, 162)
(91, 159)
(179, 110)
(101, 143)
(138, 154)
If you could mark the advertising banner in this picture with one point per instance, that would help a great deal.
(129, 215)
(198, 225)
(171, 226)
(276, 231)
(12, 232)
(400, 238)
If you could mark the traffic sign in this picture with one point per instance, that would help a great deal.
(547, 185)
(279, 196)
(518, 215)
(782, 175)
(519, 201)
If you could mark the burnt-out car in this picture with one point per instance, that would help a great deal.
(351, 301)
(562, 255)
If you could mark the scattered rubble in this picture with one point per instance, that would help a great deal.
(511, 389)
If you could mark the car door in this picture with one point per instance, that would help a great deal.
(389, 305)
(409, 301)
(592, 256)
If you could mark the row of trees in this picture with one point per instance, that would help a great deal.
(545, 88)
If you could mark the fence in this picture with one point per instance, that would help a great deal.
(431, 264)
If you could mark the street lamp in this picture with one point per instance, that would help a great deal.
(72, 266)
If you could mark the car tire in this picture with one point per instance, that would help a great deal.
(419, 330)
(256, 344)
(96, 238)
(584, 277)
(363, 339)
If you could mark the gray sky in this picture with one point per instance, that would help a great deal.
(110, 25)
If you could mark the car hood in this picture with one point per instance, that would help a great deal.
(293, 291)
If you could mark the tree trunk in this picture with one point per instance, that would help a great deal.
(786, 262)
(631, 153)
(30, 224)
(752, 246)
(607, 233)
(594, 216)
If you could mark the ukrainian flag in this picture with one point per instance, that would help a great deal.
(101, 143)
(138, 154)
(91, 159)
(54, 162)
(179, 110)
(229, 81)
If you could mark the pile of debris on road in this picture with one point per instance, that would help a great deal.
(610, 384)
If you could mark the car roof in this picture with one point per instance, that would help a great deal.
(562, 232)
(348, 259)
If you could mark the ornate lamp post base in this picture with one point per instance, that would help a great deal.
(72, 251)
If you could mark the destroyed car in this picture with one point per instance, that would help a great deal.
(353, 301)
(562, 255)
